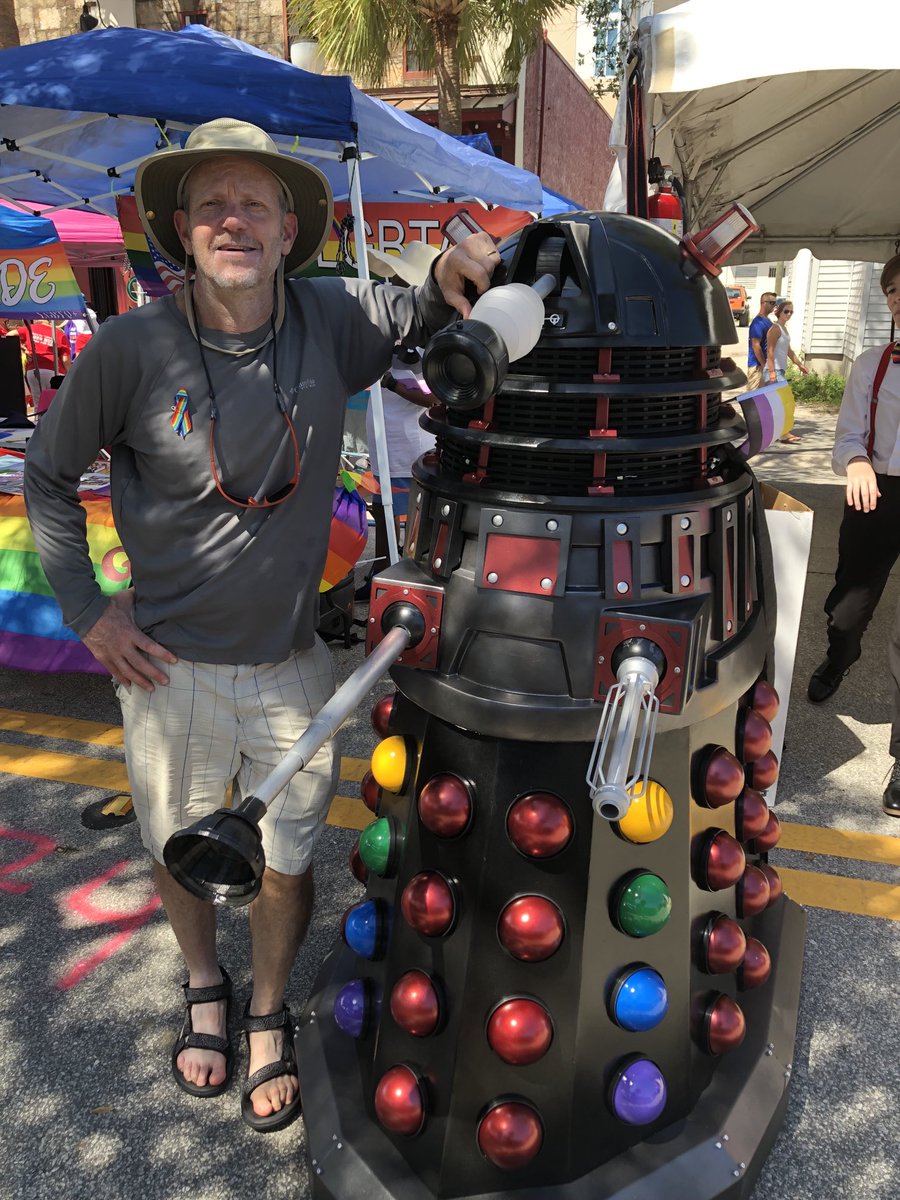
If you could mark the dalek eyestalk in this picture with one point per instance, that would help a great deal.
(629, 715)
(467, 362)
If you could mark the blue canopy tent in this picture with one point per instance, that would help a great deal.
(79, 113)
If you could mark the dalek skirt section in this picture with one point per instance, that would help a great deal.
(573, 972)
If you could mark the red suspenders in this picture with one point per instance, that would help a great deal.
(876, 385)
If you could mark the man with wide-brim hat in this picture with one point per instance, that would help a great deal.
(223, 409)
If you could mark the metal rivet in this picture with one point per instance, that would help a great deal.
(749, 606)
(371, 620)
(553, 526)
(642, 628)
(434, 629)
(728, 515)
(743, 1166)
(496, 519)
(601, 659)
(546, 584)
(685, 523)
(718, 1145)
(492, 577)
(736, 1173)
(406, 591)
(412, 547)
(445, 510)
(438, 562)
(622, 586)
(676, 670)
(621, 527)
(340, 1145)
(729, 625)
(685, 581)
(612, 327)
(724, 1137)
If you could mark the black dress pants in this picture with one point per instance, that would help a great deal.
(868, 547)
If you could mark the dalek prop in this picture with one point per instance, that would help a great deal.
(573, 973)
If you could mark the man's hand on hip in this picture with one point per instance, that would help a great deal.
(473, 260)
(117, 643)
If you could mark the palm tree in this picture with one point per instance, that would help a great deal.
(447, 36)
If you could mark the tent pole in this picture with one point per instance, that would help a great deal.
(375, 397)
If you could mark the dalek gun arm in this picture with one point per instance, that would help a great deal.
(220, 858)
(467, 361)
(617, 774)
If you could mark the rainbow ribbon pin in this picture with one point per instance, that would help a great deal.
(895, 354)
(181, 417)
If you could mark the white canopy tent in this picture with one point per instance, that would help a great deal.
(793, 110)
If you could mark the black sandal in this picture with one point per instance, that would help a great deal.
(187, 1039)
(286, 1065)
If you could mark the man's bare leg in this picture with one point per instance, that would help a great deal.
(279, 918)
(193, 922)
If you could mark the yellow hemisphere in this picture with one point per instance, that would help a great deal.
(650, 816)
(389, 763)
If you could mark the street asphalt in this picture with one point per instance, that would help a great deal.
(90, 973)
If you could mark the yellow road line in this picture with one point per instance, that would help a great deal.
(840, 894)
(108, 774)
(94, 733)
(349, 812)
(841, 843)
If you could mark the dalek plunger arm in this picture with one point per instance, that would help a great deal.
(220, 858)
(629, 715)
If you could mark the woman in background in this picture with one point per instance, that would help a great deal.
(778, 351)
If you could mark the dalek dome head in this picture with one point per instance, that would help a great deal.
(619, 281)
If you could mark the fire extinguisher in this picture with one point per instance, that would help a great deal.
(664, 206)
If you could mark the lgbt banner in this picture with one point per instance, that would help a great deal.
(36, 280)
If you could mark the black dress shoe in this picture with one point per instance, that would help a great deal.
(825, 681)
(890, 801)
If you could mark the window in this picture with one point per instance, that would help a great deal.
(606, 43)
(412, 68)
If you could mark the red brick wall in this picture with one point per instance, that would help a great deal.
(566, 132)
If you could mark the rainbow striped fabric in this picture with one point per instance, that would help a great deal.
(37, 279)
(32, 634)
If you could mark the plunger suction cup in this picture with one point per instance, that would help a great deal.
(220, 858)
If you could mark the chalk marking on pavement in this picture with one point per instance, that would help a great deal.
(841, 894)
(841, 843)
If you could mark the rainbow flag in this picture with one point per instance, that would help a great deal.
(156, 275)
(32, 634)
(349, 533)
(37, 281)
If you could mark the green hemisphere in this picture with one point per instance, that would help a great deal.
(375, 845)
(644, 905)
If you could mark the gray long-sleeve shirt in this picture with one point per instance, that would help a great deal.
(214, 582)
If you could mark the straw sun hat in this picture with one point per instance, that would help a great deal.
(159, 180)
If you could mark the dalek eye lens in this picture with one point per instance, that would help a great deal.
(639, 999)
(643, 905)
(638, 1092)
